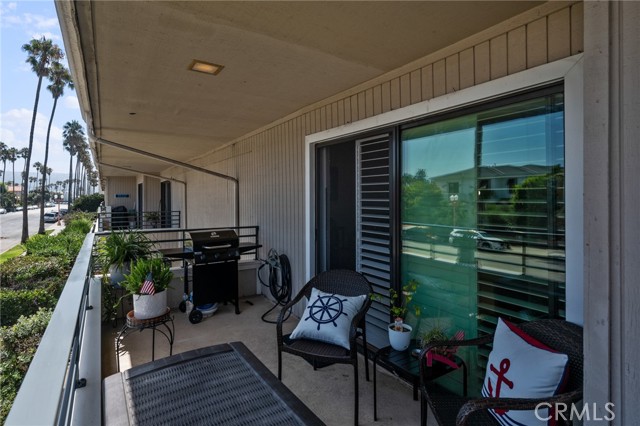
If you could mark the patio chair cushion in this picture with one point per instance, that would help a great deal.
(328, 317)
(520, 366)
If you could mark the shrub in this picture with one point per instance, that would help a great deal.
(19, 344)
(64, 244)
(17, 303)
(78, 223)
(88, 203)
(29, 272)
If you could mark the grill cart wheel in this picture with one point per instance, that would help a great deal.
(195, 316)
(183, 306)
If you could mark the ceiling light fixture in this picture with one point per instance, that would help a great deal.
(205, 67)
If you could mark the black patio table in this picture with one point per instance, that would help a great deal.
(218, 385)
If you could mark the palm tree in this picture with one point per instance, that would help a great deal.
(59, 77)
(32, 179)
(3, 157)
(73, 137)
(82, 165)
(48, 173)
(12, 155)
(41, 54)
(38, 166)
(24, 153)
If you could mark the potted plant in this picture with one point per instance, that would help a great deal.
(152, 219)
(399, 332)
(133, 219)
(147, 282)
(119, 249)
(435, 334)
(440, 353)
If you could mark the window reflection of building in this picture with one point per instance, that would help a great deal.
(512, 192)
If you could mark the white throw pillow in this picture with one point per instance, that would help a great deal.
(328, 317)
(522, 367)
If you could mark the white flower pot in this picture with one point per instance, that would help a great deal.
(400, 340)
(147, 306)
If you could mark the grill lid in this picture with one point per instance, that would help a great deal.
(214, 240)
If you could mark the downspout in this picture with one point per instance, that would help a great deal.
(157, 177)
(179, 164)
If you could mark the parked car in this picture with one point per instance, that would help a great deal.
(50, 217)
(483, 240)
(424, 233)
(2, 211)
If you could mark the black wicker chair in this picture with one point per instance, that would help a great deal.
(320, 354)
(450, 409)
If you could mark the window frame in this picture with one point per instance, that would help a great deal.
(567, 71)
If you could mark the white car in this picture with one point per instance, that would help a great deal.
(483, 240)
(2, 211)
(50, 217)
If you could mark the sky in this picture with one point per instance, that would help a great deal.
(21, 21)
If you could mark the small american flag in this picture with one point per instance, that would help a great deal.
(148, 287)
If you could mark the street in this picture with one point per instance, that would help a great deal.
(518, 260)
(11, 226)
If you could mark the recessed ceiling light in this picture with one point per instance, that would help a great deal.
(205, 67)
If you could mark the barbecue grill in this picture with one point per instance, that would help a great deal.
(213, 258)
(215, 270)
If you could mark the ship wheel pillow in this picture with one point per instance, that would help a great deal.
(328, 317)
(522, 367)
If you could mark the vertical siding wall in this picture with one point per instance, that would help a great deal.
(270, 162)
(121, 185)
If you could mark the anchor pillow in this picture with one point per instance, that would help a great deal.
(522, 367)
(328, 317)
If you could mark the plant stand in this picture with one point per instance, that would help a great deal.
(132, 324)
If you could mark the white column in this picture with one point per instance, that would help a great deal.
(612, 208)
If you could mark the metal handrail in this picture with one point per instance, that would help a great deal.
(178, 237)
(69, 357)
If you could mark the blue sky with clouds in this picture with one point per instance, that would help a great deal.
(21, 21)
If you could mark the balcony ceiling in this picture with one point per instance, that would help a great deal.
(130, 61)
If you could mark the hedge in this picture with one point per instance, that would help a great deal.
(29, 272)
(19, 345)
(16, 303)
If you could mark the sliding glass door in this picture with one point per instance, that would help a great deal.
(482, 212)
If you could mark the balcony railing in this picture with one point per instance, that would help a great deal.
(68, 362)
(121, 220)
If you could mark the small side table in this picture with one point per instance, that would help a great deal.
(407, 367)
(132, 323)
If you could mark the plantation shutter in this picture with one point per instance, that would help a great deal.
(373, 225)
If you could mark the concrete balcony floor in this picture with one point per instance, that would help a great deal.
(328, 392)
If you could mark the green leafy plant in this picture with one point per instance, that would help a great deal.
(121, 248)
(152, 218)
(140, 269)
(30, 272)
(88, 203)
(18, 303)
(19, 344)
(400, 301)
(435, 334)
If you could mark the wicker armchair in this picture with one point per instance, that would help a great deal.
(450, 409)
(320, 354)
